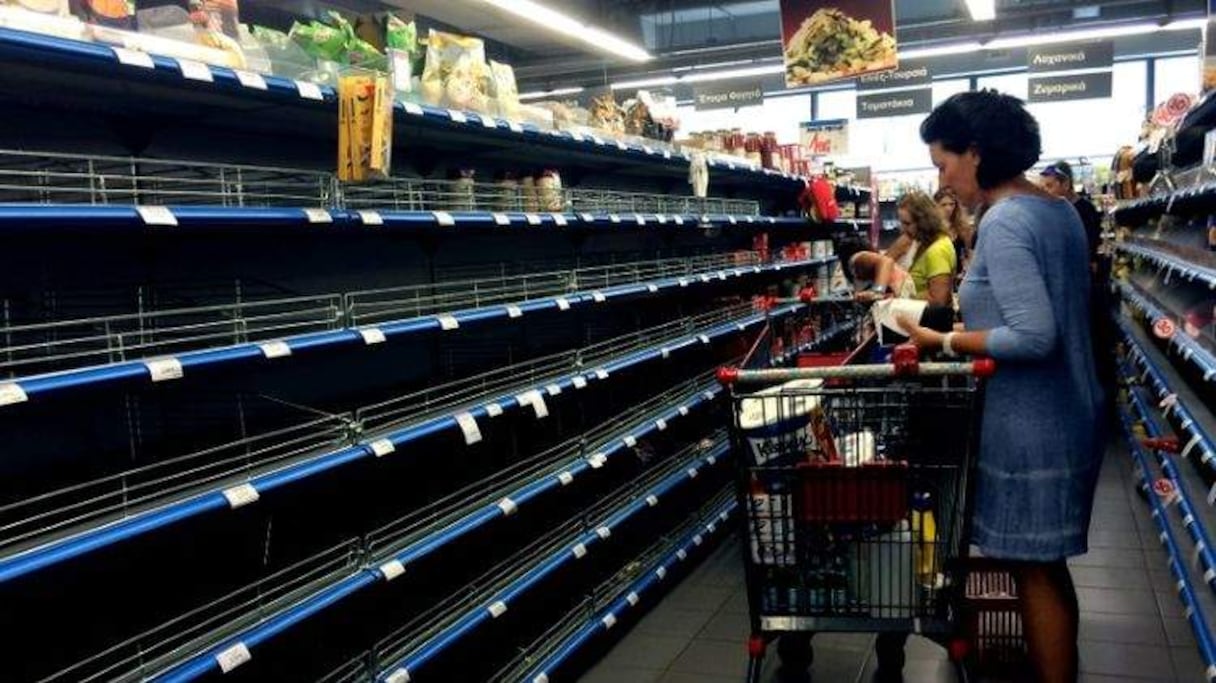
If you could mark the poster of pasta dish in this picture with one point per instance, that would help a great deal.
(832, 40)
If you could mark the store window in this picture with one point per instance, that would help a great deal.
(1175, 75)
(837, 104)
(1069, 130)
(1012, 84)
(942, 90)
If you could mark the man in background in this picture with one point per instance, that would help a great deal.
(1058, 180)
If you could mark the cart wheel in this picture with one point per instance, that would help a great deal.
(890, 653)
(755, 658)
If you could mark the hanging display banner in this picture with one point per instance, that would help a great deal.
(916, 101)
(825, 138)
(831, 41)
(910, 73)
(1071, 57)
(1070, 87)
(727, 94)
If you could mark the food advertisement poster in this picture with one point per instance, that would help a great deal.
(827, 41)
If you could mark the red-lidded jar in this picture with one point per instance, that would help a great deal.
(752, 147)
(769, 149)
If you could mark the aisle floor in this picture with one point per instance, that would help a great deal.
(1133, 628)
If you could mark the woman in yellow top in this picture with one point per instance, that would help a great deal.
(933, 269)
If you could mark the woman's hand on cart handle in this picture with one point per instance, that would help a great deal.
(962, 343)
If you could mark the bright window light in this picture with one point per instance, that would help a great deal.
(565, 24)
(560, 92)
(1072, 36)
(645, 83)
(939, 51)
(982, 10)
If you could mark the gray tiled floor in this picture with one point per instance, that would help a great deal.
(1132, 630)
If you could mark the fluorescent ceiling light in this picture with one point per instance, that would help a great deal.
(567, 25)
(1072, 36)
(951, 49)
(1184, 24)
(767, 70)
(982, 10)
(645, 83)
(550, 93)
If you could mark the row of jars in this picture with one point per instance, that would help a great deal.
(760, 149)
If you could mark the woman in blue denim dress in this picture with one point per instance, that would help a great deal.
(1025, 303)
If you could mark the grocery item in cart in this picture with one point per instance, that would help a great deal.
(858, 448)
(777, 423)
(771, 532)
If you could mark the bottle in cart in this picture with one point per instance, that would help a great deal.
(924, 534)
(817, 593)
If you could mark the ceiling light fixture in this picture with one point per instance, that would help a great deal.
(982, 10)
(536, 95)
(645, 83)
(565, 24)
(941, 50)
(1072, 36)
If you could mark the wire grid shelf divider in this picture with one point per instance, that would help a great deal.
(410, 408)
(54, 178)
(152, 651)
(30, 348)
(424, 627)
(609, 590)
(60, 512)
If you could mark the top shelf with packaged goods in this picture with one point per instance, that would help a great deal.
(82, 75)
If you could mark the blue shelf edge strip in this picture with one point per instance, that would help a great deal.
(135, 525)
(22, 389)
(1190, 349)
(574, 551)
(387, 567)
(1175, 264)
(605, 619)
(1174, 553)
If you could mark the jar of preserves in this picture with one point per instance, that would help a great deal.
(769, 150)
(753, 146)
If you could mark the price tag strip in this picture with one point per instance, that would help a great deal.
(195, 71)
(251, 79)
(137, 58)
(157, 215)
(164, 369)
(232, 657)
(468, 426)
(275, 349)
(11, 392)
(310, 91)
(318, 216)
(372, 335)
(371, 218)
(240, 496)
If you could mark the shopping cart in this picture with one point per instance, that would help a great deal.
(855, 483)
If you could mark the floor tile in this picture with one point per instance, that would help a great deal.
(1170, 605)
(1178, 632)
(1188, 665)
(1122, 659)
(684, 677)
(619, 674)
(1122, 628)
(674, 622)
(651, 652)
(736, 604)
(728, 626)
(1128, 538)
(698, 597)
(712, 658)
(1109, 577)
(855, 642)
(1110, 557)
(832, 664)
(1117, 601)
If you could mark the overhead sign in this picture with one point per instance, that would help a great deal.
(727, 94)
(908, 74)
(825, 138)
(1071, 57)
(1071, 87)
(916, 101)
(830, 41)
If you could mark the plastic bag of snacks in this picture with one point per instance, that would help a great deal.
(456, 75)
(57, 8)
(118, 14)
(504, 90)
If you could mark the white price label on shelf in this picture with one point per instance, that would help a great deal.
(703, 338)
(501, 219)
(667, 154)
(392, 569)
(232, 657)
(488, 121)
(603, 532)
(240, 496)
(164, 369)
(532, 218)
(11, 392)
(588, 218)
(554, 389)
(579, 381)
(724, 516)
(757, 269)
(597, 461)
(560, 219)
(737, 272)
(608, 621)
(579, 551)
(620, 144)
(457, 116)
(382, 447)
(498, 609)
(692, 472)
(633, 599)
(648, 150)
(662, 218)
(596, 139)
(683, 282)
(721, 275)
(137, 58)
(372, 335)
(448, 322)
(712, 460)
(563, 304)
(413, 108)
(697, 540)
(751, 219)
(653, 289)
(711, 527)
(371, 218)
(652, 500)
(507, 506)
(493, 409)
(309, 91)
(444, 219)
(661, 573)
(614, 218)
(683, 410)
(275, 349)
(601, 373)
(709, 395)
(704, 277)
(251, 79)
(566, 478)
(156, 215)
(733, 220)
(516, 127)
(682, 554)
(661, 424)
(318, 216)
(537, 401)
(195, 71)
(639, 218)
(598, 297)
(678, 219)
(665, 352)
(468, 427)
(514, 311)
(630, 440)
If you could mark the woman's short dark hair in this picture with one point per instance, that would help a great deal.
(847, 245)
(1003, 133)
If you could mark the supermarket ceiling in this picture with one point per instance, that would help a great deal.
(690, 33)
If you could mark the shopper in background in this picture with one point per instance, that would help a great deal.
(1025, 302)
(958, 224)
(1057, 179)
(932, 271)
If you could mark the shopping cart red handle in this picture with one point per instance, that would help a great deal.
(979, 367)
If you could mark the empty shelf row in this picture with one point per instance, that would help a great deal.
(1187, 347)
